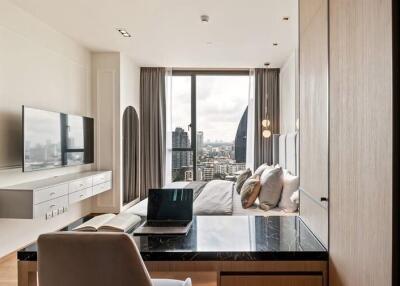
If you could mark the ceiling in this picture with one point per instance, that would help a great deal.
(170, 33)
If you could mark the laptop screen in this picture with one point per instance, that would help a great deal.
(170, 204)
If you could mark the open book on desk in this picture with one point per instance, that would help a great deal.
(122, 222)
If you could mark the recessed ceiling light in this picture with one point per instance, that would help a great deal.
(204, 18)
(275, 44)
(285, 18)
(124, 33)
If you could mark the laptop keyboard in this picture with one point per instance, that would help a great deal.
(166, 223)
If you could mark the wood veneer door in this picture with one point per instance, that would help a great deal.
(314, 97)
(361, 117)
(271, 280)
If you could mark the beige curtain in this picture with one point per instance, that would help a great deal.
(152, 129)
(266, 106)
(130, 155)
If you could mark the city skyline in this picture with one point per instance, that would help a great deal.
(213, 160)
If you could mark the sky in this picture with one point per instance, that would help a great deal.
(221, 101)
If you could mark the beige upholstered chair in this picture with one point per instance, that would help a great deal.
(93, 259)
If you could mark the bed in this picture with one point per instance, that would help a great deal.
(219, 197)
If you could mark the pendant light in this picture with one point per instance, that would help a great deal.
(266, 123)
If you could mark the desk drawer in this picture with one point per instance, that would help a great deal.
(101, 178)
(199, 278)
(43, 195)
(80, 184)
(275, 280)
(51, 208)
(101, 188)
(80, 195)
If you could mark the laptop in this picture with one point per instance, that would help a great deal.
(169, 212)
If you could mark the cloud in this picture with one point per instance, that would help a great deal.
(221, 101)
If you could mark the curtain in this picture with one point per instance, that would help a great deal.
(130, 158)
(266, 90)
(250, 122)
(152, 129)
(168, 141)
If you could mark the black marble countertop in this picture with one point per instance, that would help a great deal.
(227, 238)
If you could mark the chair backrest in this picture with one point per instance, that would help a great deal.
(85, 259)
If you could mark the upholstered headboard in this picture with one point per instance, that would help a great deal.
(285, 151)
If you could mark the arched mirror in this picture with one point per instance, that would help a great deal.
(130, 157)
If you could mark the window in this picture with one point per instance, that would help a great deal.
(209, 125)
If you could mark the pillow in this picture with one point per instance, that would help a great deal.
(241, 179)
(295, 197)
(262, 168)
(290, 185)
(250, 191)
(271, 188)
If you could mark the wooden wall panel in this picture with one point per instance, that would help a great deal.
(313, 54)
(268, 280)
(360, 142)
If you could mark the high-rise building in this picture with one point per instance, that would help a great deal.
(200, 141)
(240, 139)
(189, 175)
(236, 167)
(208, 173)
(180, 139)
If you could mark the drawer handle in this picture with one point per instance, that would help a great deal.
(52, 193)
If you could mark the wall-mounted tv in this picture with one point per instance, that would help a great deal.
(53, 139)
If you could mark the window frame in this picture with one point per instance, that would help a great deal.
(193, 73)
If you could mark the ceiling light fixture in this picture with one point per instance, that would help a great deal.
(124, 33)
(204, 18)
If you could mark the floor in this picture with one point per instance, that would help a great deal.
(8, 270)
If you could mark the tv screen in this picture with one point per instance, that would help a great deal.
(53, 139)
(78, 143)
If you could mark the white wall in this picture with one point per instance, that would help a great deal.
(287, 94)
(130, 83)
(106, 90)
(115, 84)
(41, 68)
(130, 96)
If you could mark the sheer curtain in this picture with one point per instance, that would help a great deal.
(168, 119)
(250, 122)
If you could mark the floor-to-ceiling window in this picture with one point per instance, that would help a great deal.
(209, 124)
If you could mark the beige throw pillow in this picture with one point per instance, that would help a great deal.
(290, 185)
(250, 191)
(241, 179)
(262, 168)
(271, 188)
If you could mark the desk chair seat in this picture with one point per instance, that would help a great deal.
(93, 259)
(169, 282)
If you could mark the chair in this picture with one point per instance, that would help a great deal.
(98, 259)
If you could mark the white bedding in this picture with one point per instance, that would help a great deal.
(209, 200)
(215, 199)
